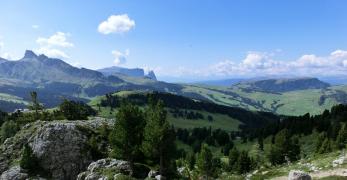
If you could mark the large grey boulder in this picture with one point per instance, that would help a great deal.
(14, 173)
(298, 175)
(114, 167)
(61, 149)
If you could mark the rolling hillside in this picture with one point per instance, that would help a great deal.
(296, 102)
(55, 79)
(185, 112)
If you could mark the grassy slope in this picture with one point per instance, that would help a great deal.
(288, 103)
(12, 98)
(219, 120)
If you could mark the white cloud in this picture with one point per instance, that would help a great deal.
(35, 26)
(119, 57)
(339, 54)
(264, 64)
(116, 24)
(50, 52)
(55, 45)
(4, 54)
(58, 39)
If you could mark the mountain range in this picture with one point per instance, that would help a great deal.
(55, 79)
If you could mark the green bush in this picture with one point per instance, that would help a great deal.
(29, 161)
(8, 129)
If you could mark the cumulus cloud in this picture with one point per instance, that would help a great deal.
(55, 45)
(264, 64)
(51, 52)
(4, 54)
(58, 39)
(116, 24)
(120, 57)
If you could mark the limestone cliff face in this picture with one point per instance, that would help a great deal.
(60, 146)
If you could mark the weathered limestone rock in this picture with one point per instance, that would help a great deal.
(14, 173)
(60, 146)
(114, 167)
(61, 149)
(298, 175)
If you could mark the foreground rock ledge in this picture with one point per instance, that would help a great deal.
(60, 146)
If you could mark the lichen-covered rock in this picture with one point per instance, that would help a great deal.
(97, 169)
(60, 146)
(61, 149)
(14, 173)
(152, 174)
(298, 175)
(106, 168)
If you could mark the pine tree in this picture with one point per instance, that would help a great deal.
(261, 142)
(190, 158)
(341, 140)
(233, 156)
(244, 163)
(159, 137)
(35, 105)
(205, 162)
(127, 135)
(8, 129)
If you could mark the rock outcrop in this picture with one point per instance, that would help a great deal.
(298, 175)
(60, 147)
(110, 168)
(14, 173)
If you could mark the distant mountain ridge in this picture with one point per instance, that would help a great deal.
(55, 79)
(41, 68)
(133, 72)
(284, 84)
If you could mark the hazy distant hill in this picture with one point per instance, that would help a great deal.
(284, 85)
(221, 82)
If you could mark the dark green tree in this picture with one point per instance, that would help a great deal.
(244, 163)
(233, 157)
(190, 158)
(205, 162)
(159, 137)
(261, 142)
(29, 161)
(73, 110)
(285, 148)
(127, 135)
(8, 129)
(341, 140)
(35, 104)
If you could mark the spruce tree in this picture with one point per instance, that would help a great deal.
(127, 135)
(205, 162)
(233, 156)
(35, 105)
(341, 140)
(244, 163)
(159, 137)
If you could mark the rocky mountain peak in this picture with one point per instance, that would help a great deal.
(29, 54)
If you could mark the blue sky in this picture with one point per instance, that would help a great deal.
(184, 40)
